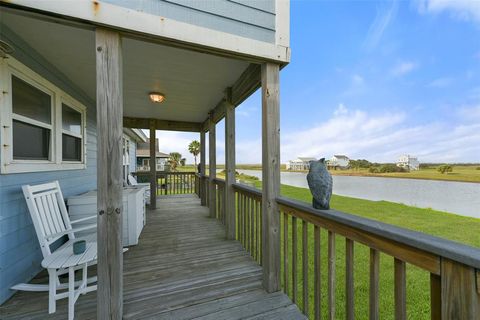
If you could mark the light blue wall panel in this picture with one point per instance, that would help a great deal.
(20, 255)
(133, 158)
(253, 19)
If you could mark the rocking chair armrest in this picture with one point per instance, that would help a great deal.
(83, 219)
(59, 234)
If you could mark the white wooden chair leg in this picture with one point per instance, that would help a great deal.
(84, 279)
(71, 292)
(52, 290)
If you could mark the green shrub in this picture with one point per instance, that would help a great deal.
(446, 168)
(373, 170)
(390, 167)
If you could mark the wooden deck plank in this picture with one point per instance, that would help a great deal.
(182, 268)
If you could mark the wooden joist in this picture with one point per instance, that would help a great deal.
(144, 123)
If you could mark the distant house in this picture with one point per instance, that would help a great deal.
(301, 163)
(338, 162)
(143, 157)
(408, 162)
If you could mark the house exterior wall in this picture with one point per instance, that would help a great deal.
(20, 255)
(254, 19)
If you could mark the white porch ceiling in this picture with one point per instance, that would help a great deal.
(192, 82)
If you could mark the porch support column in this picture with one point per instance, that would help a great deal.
(212, 166)
(270, 176)
(230, 166)
(153, 166)
(109, 174)
(203, 157)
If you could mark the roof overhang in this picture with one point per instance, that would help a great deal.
(194, 83)
(157, 28)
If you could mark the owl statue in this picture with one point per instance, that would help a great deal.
(320, 183)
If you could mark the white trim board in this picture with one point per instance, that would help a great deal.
(105, 14)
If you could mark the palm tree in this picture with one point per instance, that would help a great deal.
(194, 148)
(174, 160)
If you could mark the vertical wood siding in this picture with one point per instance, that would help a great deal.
(20, 255)
(254, 19)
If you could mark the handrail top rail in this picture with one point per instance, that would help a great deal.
(219, 181)
(442, 247)
(163, 172)
(248, 189)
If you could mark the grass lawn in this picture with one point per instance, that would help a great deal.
(460, 173)
(457, 228)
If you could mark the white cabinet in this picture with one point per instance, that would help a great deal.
(85, 205)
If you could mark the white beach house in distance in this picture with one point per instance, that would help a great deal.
(338, 161)
(408, 162)
(299, 164)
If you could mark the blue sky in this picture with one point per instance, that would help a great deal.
(372, 80)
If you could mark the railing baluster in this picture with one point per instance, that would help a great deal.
(435, 297)
(374, 283)
(252, 225)
(400, 290)
(349, 284)
(260, 241)
(244, 221)
(331, 275)
(285, 252)
(317, 272)
(294, 260)
(305, 266)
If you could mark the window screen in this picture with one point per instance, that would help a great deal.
(71, 148)
(30, 142)
(31, 102)
(71, 120)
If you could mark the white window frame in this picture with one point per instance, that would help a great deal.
(9, 67)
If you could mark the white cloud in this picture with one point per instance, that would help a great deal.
(468, 10)
(386, 12)
(172, 141)
(441, 83)
(341, 109)
(378, 137)
(402, 68)
(383, 137)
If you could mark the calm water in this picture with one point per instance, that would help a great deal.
(456, 197)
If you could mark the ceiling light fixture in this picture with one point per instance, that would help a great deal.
(157, 97)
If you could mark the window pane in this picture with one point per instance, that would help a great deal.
(30, 102)
(71, 119)
(30, 142)
(71, 148)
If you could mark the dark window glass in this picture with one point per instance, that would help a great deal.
(71, 119)
(30, 142)
(30, 102)
(71, 148)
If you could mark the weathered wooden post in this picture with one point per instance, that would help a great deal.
(270, 176)
(203, 193)
(230, 165)
(153, 166)
(212, 167)
(109, 174)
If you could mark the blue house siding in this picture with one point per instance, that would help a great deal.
(254, 19)
(20, 255)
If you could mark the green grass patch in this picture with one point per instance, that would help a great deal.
(441, 224)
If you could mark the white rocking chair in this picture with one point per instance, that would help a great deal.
(51, 221)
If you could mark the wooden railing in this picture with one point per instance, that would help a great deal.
(453, 267)
(220, 197)
(249, 219)
(172, 182)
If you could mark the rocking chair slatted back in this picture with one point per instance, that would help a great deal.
(49, 213)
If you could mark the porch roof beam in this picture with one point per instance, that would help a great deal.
(169, 125)
(248, 83)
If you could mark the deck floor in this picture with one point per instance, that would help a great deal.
(182, 268)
